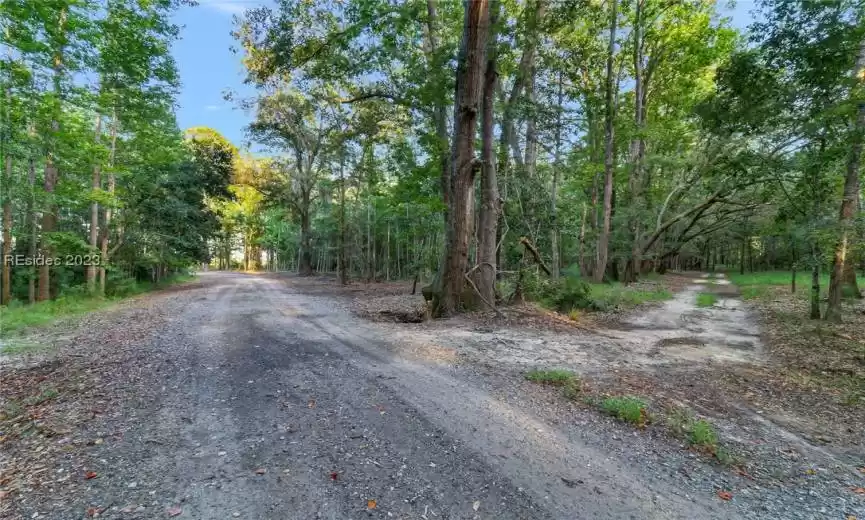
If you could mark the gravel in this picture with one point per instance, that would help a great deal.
(239, 397)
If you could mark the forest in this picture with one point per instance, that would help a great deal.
(490, 150)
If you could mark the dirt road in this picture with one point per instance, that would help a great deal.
(239, 397)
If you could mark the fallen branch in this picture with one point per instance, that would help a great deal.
(537, 256)
(478, 292)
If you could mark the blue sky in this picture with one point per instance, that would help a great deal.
(208, 67)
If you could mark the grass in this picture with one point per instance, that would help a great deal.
(706, 299)
(611, 295)
(626, 408)
(18, 317)
(554, 377)
(571, 384)
(781, 278)
(700, 435)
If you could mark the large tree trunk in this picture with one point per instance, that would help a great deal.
(447, 293)
(6, 296)
(638, 150)
(489, 213)
(609, 150)
(96, 184)
(848, 204)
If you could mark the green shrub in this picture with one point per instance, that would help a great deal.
(571, 294)
(554, 377)
(627, 408)
(703, 436)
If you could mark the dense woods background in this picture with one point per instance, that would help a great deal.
(490, 149)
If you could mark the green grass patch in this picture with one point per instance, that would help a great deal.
(703, 436)
(554, 377)
(613, 295)
(780, 278)
(626, 408)
(18, 317)
(706, 299)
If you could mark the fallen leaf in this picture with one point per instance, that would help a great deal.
(476, 505)
(89, 475)
(174, 511)
(851, 517)
(858, 490)
(725, 495)
(370, 504)
(260, 471)
(334, 475)
(312, 403)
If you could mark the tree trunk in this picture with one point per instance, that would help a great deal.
(304, 266)
(440, 110)
(638, 150)
(96, 184)
(343, 273)
(554, 189)
(6, 296)
(489, 213)
(48, 222)
(447, 293)
(848, 203)
(815, 283)
(33, 218)
(112, 181)
(609, 150)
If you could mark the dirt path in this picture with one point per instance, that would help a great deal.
(240, 397)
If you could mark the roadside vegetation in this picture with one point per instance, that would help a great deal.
(18, 317)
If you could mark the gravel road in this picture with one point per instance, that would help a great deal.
(251, 400)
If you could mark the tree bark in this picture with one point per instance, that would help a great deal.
(489, 212)
(49, 217)
(447, 293)
(609, 150)
(440, 110)
(848, 202)
(343, 272)
(33, 239)
(96, 184)
(638, 150)
(6, 296)
(112, 184)
(304, 266)
(554, 188)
